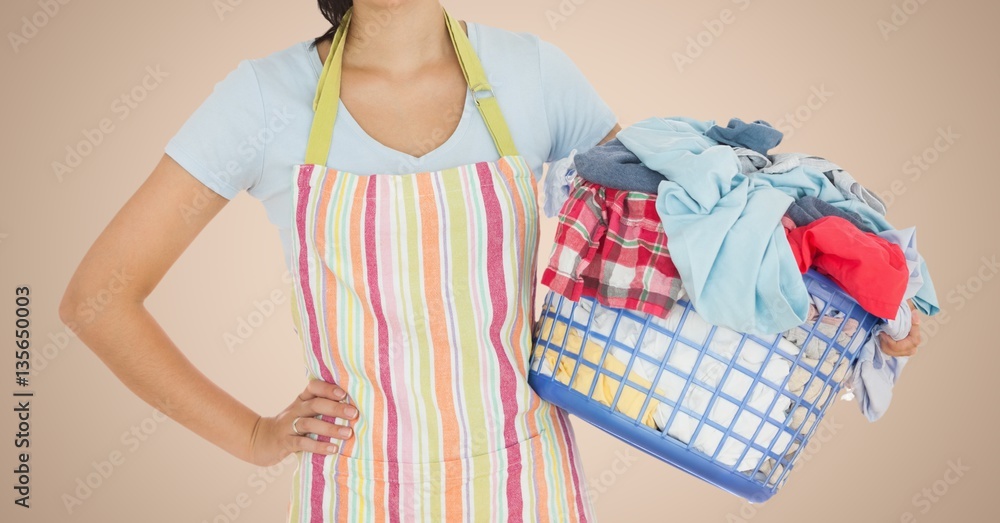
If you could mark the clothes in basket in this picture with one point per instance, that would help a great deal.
(869, 268)
(631, 399)
(779, 272)
(610, 245)
(692, 331)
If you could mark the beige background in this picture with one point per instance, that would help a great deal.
(937, 70)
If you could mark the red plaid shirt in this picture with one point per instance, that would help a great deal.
(610, 245)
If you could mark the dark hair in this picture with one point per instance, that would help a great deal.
(333, 10)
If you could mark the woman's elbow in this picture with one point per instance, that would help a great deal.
(67, 304)
(85, 300)
(72, 306)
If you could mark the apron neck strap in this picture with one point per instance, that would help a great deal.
(328, 93)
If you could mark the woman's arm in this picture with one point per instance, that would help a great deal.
(140, 244)
(142, 241)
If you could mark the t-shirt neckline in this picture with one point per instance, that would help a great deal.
(379, 147)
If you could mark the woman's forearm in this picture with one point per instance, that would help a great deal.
(132, 344)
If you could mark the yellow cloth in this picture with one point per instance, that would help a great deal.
(631, 399)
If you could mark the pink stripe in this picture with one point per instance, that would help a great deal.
(392, 312)
(571, 453)
(473, 233)
(471, 191)
(318, 483)
(304, 175)
(508, 380)
(391, 434)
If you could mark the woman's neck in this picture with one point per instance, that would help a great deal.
(398, 39)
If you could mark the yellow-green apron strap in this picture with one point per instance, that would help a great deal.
(475, 76)
(325, 107)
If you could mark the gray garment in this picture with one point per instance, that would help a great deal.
(874, 375)
(613, 165)
(751, 161)
(851, 188)
(758, 135)
(808, 209)
(848, 186)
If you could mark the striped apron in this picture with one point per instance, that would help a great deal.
(415, 293)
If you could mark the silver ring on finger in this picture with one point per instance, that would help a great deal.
(295, 429)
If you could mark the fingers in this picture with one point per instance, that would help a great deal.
(914, 316)
(323, 428)
(908, 345)
(322, 389)
(323, 398)
(327, 407)
(307, 444)
(904, 347)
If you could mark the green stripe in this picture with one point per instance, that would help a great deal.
(462, 254)
(418, 293)
(483, 496)
(352, 326)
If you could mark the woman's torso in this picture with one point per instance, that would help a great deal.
(287, 82)
(415, 293)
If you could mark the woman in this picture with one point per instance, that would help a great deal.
(411, 233)
(414, 287)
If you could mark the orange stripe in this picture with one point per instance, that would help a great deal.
(540, 484)
(376, 418)
(520, 236)
(329, 284)
(431, 261)
(564, 452)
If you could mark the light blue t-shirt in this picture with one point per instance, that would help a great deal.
(251, 131)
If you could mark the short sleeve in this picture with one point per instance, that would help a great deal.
(221, 144)
(578, 118)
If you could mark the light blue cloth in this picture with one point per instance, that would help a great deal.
(801, 175)
(924, 296)
(724, 229)
(557, 181)
(803, 181)
(724, 223)
(875, 372)
(840, 178)
(907, 241)
(252, 127)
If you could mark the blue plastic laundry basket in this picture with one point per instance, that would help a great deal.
(757, 482)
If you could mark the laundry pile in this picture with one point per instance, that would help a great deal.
(680, 251)
(648, 347)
